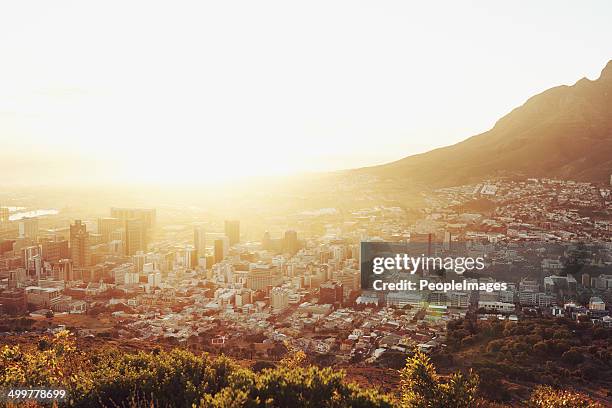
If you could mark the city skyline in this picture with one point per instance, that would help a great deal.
(305, 204)
(270, 283)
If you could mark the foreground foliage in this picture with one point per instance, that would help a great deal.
(109, 377)
(547, 397)
(421, 386)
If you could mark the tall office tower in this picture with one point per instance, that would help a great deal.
(338, 253)
(79, 245)
(290, 242)
(106, 226)
(139, 260)
(448, 238)
(331, 292)
(135, 236)
(12, 279)
(54, 250)
(232, 231)
(62, 270)
(147, 217)
(118, 234)
(28, 228)
(154, 279)
(32, 260)
(219, 250)
(266, 241)
(4, 215)
(199, 241)
(226, 245)
(190, 260)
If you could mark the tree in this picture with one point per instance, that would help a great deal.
(418, 382)
(460, 391)
(420, 386)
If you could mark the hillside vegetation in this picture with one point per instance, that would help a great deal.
(109, 377)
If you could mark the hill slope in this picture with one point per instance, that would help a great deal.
(563, 132)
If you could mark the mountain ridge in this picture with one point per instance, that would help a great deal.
(564, 131)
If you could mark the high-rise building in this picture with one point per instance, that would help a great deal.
(135, 236)
(279, 299)
(448, 238)
(232, 231)
(16, 278)
(62, 270)
(28, 228)
(190, 260)
(147, 215)
(147, 218)
(219, 250)
(106, 226)
(331, 292)
(4, 215)
(154, 279)
(32, 260)
(79, 245)
(290, 242)
(199, 241)
(139, 259)
(266, 241)
(54, 250)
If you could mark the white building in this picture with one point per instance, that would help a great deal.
(42, 297)
(497, 306)
(279, 299)
(154, 279)
(595, 303)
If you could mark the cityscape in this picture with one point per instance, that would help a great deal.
(322, 204)
(148, 276)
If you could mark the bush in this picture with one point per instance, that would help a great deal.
(420, 386)
(573, 356)
(547, 397)
(108, 377)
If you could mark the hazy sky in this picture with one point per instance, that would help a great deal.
(200, 91)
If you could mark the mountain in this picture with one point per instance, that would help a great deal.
(564, 132)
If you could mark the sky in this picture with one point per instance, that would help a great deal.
(198, 92)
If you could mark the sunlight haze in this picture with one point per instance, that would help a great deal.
(199, 92)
